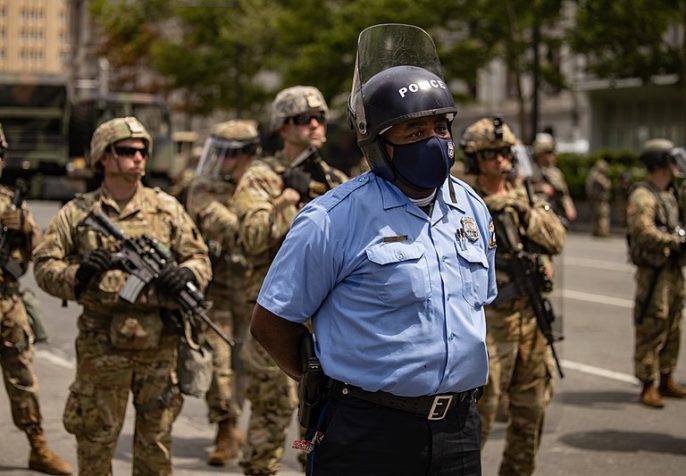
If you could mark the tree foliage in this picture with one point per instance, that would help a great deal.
(629, 39)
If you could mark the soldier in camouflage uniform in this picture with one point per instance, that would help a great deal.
(267, 198)
(122, 348)
(656, 248)
(520, 362)
(22, 233)
(227, 154)
(549, 181)
(598, 189)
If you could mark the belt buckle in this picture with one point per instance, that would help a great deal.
(440, 407)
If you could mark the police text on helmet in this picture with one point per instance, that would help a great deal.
(421, 85)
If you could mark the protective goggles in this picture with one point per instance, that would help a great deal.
(492, 154)
(248, 149)
(122, 151)
(305, 118)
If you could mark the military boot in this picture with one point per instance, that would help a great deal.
(669, 388)
(42, 458)
(227, 444)
(650, 396)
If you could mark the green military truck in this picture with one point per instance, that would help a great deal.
(49, 133)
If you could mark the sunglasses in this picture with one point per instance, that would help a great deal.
(130, 151)
(492, 154)
(250, 149)
(304, 119)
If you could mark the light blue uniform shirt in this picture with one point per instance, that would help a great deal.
(396, 298)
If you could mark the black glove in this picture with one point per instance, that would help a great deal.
(96, 262)
(172, 281)
(298, 180)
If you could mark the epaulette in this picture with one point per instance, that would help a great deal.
(342, 191)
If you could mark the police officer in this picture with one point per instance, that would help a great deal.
(21, 234)
(393, 268)
(548, 179)
(267, 198)
(520, 361)
(656, 246)
(121, 348)
(228, 152)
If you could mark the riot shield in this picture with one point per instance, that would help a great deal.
(384, 46)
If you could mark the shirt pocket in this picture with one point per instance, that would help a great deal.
(399, 272)
(474, 272)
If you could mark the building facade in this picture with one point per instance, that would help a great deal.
(34, 36)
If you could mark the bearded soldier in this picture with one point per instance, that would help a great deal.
(122, 348)
(656, 247)
(520, 362)
(267, 199)
(227, 154)
(21, 235)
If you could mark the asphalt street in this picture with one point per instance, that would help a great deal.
(594, 425)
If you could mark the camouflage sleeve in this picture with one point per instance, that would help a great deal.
(188, 246)
(214, 220)
(53, 269)
(264, 219)
(641, 215)
(545, 229)
(36, 233)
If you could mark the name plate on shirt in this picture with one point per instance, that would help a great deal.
(394, 239)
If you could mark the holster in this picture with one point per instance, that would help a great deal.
(314, 384)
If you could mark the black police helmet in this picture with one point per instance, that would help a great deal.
(395, 95)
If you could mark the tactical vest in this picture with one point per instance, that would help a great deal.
(664, 221)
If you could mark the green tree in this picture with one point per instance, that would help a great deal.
(629, 39)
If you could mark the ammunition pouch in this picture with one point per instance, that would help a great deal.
(194, 369)
(141, 332)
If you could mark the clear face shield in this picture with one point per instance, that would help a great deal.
(679, 156)
(380, 47)
(219, 156)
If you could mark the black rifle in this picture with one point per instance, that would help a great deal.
(310, 161)
(144, 259)
(312, 388)
(528, 275)
(10, 267)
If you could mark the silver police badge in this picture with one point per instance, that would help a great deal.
(471, 231)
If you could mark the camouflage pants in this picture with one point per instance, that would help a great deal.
(16, 355)
(658, 335)
(601, 219)
(95, 410)
(520, 366)
(273, 399)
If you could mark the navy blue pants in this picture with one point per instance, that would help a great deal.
(366, 439)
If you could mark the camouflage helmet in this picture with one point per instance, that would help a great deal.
(544, 144)
(602, 166)
(296, 100)
(113, 131)
(656, 153)
(486, 133)
(3, 142)
(239, 130)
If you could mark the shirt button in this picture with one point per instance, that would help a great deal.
(400, 255)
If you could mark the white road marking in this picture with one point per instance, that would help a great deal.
(598, 298)
(55, 359)
(598, 264)
(599, 372)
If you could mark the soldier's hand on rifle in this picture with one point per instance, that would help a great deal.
(95, 263)
(298, 181)
(15, 219)
(172, 281)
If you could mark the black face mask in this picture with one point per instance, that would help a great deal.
(424, 164)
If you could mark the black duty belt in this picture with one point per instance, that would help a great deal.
(433, 407)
